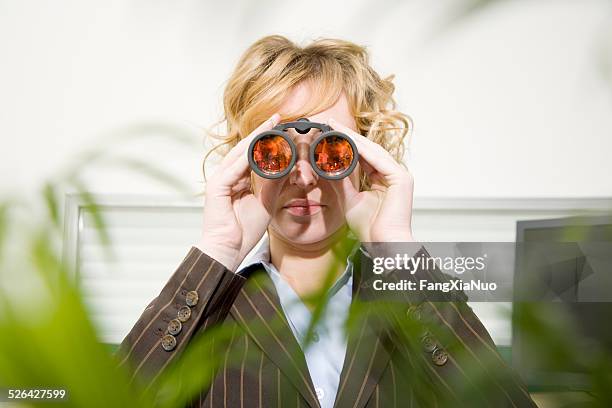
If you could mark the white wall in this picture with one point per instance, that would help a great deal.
(506, 103)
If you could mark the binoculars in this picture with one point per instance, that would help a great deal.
(272, 154)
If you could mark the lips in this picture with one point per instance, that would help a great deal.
(301, 202)
(302, 207)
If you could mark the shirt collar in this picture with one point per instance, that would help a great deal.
(260, 254)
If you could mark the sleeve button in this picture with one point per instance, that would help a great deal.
(439, 357)
(184, 313)
(168, 342)
(191, 298)
(174, 327)
(414, 312)
(428, 343)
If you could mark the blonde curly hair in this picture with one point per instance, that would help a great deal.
(271, 67)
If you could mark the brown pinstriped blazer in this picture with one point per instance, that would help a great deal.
(268, 369)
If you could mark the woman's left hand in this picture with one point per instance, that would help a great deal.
(384, 213)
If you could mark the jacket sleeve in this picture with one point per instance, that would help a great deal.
(454, 347)
(192, 297)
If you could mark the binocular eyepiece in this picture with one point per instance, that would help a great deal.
(272, 154)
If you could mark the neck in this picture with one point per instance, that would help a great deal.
(310, 268)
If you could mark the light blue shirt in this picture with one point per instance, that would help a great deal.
(327, 349)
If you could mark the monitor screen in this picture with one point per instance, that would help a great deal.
(571, 282)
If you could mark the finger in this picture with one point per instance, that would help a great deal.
(378, 182)
(376, 179)
(367, 169)
(241, 184)
(242, 145)
(374, 154)
(233, 173)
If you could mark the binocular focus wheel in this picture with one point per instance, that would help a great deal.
(303, 131)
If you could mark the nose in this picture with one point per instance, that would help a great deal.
(302, 174)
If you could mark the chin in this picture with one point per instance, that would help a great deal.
(302, 234)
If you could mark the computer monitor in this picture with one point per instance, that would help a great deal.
(566, 290)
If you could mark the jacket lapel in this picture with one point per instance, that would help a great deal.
(368, 350)
(257, 309)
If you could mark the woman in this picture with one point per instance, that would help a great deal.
(302, 223)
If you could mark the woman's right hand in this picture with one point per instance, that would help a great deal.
(235, 219)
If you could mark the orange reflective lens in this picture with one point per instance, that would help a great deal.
(333, 155)
(272, 154)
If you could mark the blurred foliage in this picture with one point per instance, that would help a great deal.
(46, 335)
(464, 9)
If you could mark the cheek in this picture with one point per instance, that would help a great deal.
(269, 191)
